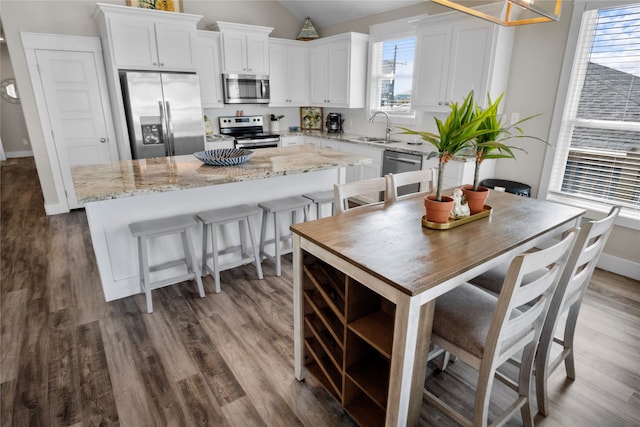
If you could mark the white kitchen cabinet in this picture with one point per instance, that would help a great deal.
(368, 171)
(209, 69)
(338, 66)
(317, 142)
(143, 39)
(288, 73)
(288, 141)
(245, 48)
(455, 54)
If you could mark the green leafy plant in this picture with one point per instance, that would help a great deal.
(456, 133)
(489, 144)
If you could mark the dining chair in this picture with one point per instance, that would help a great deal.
(425, 178)
(342, 192)
(567, 302)
(486, 331)
(560, 324)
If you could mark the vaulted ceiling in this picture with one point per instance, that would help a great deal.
(327, 13)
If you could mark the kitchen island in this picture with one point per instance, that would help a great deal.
(117, 194)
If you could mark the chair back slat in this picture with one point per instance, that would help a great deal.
(342, 192)
(425, 178)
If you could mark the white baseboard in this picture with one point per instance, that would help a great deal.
(621, 266)
(56, 208)
(16, 154)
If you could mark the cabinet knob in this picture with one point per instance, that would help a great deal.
(103, 140)
(154, 63)
(162, 64)
(440, 103)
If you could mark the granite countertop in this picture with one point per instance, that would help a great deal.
(422, 149)
(146, 176)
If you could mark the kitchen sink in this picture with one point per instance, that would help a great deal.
(386, 141)
(374, 140)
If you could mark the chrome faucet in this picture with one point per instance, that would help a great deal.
(387, 134)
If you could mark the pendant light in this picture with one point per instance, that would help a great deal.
(308, 31)
(514, 12)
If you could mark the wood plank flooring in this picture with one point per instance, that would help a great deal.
(70, 358)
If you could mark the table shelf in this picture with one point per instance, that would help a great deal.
(358, 361)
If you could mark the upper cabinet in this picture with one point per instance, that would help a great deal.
(145, 39)
(245, 48)
(455, 54)
(288, 73)
(338, 70)
(209, 70)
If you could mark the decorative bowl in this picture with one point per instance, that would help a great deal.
(294, 128)
(224, 156)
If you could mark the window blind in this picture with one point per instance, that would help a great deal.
(392, 74)
(598, 152)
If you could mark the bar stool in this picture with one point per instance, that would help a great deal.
(210, 221)
(275, 208)
(144, 231)
(320, 198)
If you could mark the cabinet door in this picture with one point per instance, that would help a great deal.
(470, 60)
(432, 68)
(319, 66)
(208, 68)
(338, 74)
(134, 43)
(297, 58)
(176, 46)
(257, 51)
(278, 75)
(234, 52)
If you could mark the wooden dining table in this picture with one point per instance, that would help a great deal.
(365, 285)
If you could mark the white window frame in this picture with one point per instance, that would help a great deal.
(392, 30)
(628, 218)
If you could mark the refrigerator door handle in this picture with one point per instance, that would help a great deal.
(172, 147)
(163, 125)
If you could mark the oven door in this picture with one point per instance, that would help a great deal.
(254, 144)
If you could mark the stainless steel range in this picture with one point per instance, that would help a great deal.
(248, 132)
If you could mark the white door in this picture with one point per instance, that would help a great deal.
(75, 107)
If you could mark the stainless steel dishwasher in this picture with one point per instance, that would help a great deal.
(397, 162)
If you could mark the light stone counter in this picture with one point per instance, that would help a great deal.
(117, 194)
(147, 176)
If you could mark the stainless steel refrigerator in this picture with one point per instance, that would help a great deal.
(164, 113)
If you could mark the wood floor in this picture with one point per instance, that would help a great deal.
(70, 358)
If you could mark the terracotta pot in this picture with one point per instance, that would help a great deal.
(476, 199)
(438, 211)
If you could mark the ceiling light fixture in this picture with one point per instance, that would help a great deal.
(308, 31)
(514, 12)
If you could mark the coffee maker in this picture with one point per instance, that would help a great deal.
(334, 123)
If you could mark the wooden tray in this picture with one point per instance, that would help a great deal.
(486, 211)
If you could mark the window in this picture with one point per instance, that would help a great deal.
(392, 75)
(597, 158)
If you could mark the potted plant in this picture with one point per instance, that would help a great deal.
(489, 144)
(455, 134)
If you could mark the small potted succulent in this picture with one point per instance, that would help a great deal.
(455, 134)
(489, 144)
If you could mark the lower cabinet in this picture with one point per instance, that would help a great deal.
(348, 333)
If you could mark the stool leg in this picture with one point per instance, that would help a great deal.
(243, 237)
(216, 261)
(318, 210)
(192, 262)
(254, 247)
(205, 245)
(263, 232)
(145, 277)
(276, 241)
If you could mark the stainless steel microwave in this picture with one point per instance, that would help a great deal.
(245, 89)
